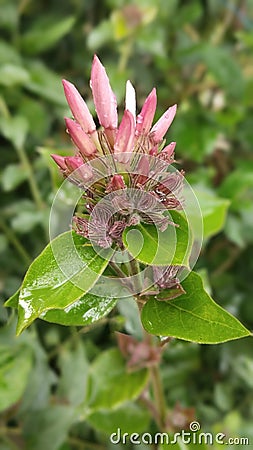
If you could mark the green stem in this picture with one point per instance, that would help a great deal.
(125, 53)
(16, 243)
(31, 179)
(158, 396)
(135, 271)
(4, 109)
(26, 164)
(145, 401)
(117, 270)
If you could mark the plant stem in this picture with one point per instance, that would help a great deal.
(228, 263)
(125, 53)
(31, 178)
(117, 270)
(145, 401)
(158, 396)
(15, 242)
(135, 272)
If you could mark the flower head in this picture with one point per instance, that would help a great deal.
(127, 162)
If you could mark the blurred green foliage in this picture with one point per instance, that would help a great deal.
(56, 384)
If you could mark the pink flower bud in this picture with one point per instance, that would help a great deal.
(153, 151)
(124, 142)
(104, 98)
(60, 161)
(78, 107)
(73, 162)
(80, 138)
(146, 116)
(162, 125)
(80, 225)
(167, 153)
(78, 171)
(116, 182)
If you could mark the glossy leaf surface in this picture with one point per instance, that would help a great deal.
(87, 310)
(148, 244)
(193, 316)
(66, 269)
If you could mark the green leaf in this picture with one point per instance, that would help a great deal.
(12, 302)
(223, 396)
(100, 35)
(243, 367)
(9, 16)
(14, 129)
(36, 40)
(48, 428)
(110, 385)
(245, 37)
(87, 310)
(8, 54)
(213, 209)
(223, 66)
(235, 231)
(45, 83)
(73, 367)
(148, 244)
(37, 115)
(41, 379)
(194, 316)
(188, 13)
(11, 74)
(26, 219)
(129, 418)
(237, 186)
(128, 308)
(15, 366)
(12, 176)
(189, 123)
(66, 269)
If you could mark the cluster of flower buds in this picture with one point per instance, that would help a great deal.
(130, 156)
(135, 147)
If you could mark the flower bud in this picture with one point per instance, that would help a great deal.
(162, 125)
(80, 138)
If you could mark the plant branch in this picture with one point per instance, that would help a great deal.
(228, 263)
(117, 270)
(143, 399)
(15, 242)
(135, 272)
(31, 178)
(158, 396)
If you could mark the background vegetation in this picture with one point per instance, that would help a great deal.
(199, 55)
